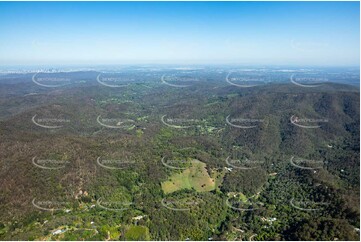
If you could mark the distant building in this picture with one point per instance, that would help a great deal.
(138, 217)
(228, 168)
(269, 220)
(59, 231)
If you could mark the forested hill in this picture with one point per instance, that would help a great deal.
(209, 161)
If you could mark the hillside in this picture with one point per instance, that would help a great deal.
(100, 160)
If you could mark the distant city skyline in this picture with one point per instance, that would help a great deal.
(186, 33)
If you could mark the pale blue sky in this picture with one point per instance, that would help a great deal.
(273, 33)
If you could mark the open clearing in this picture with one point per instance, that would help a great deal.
(195, 176)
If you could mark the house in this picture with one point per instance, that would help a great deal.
(228, 168)
(138, 217)
(269, 220)
(59, 231)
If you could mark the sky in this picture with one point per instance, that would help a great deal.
(260, 33)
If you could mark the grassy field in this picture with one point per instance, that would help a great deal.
(218, 175)
(196, 176)
(135, 233)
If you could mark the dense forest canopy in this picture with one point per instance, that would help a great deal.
(178, 155)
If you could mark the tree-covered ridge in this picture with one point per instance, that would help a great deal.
(273, 180)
